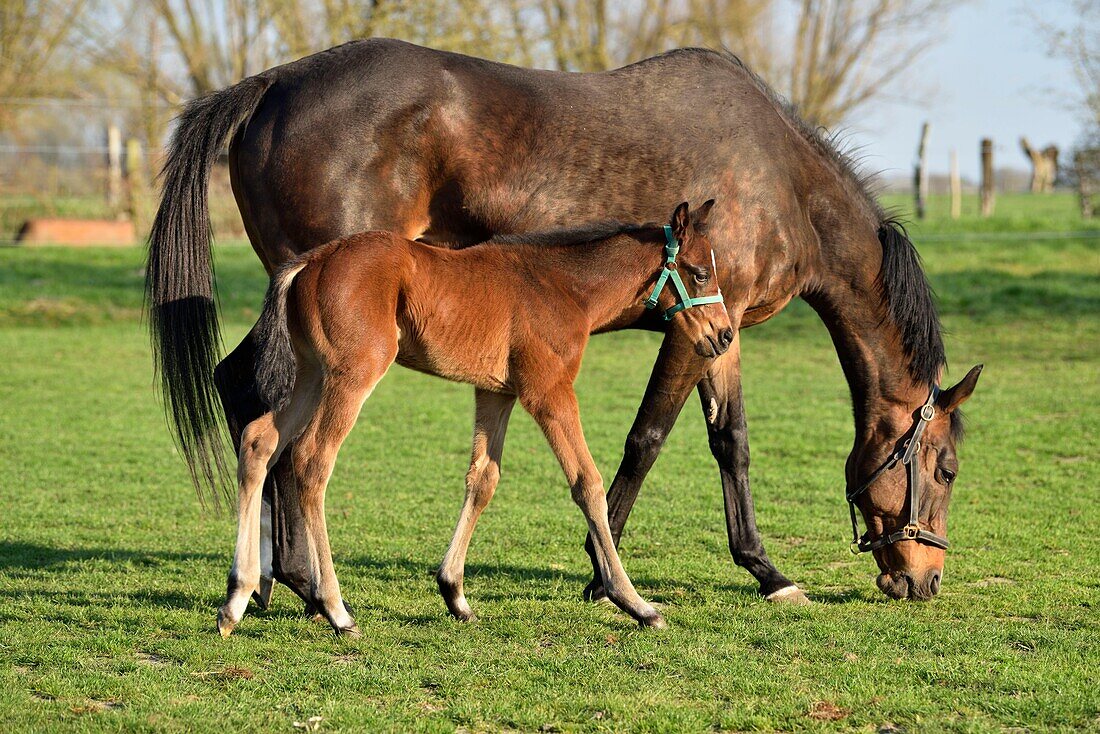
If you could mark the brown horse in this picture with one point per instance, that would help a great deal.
(511, 318)
(381, 134)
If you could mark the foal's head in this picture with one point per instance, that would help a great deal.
(696, 309)
(907, 542)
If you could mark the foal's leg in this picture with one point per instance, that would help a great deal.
(559, 417)
(724, 409)
(261, 443)
(314, 455)
(490, 425)
(676, 372)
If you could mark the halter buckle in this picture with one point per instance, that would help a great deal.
(927, 412)
(911, 531)
(854, 548)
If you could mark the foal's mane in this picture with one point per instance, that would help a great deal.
(584, 234)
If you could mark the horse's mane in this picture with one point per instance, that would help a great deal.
(903, 284)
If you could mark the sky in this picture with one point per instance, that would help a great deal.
(990, 76)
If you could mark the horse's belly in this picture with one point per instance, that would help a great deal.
(481, 369)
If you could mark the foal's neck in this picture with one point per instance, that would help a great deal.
(605, 278)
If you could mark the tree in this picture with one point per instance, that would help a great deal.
(33, 35)
(845, 53)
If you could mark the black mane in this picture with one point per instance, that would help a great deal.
(904, 286)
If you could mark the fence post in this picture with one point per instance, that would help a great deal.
(988, 194)
(956, 186)
(920, 172)
(114, 168)
(137, 192)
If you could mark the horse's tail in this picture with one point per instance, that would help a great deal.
(179, 280)
(275, 362)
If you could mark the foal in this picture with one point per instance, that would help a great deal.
(511, 317)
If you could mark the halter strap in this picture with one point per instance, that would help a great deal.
(905, 455)
(669, 272)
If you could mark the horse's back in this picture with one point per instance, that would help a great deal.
(384, 134)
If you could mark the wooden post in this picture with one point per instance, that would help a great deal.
(956, 186)
(920, 172)
(137, 198)
(988, 194)
(1085, 182)
(114, 168)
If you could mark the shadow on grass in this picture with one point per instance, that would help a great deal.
(17, 555)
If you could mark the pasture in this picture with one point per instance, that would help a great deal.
(111, 571)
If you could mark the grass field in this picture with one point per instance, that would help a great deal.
(110, 572)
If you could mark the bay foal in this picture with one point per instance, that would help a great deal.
(511, 317)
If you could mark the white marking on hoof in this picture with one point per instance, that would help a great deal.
(789, 595)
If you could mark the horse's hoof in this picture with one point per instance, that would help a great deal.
(653, 621)
(791, 595)
(225, 623)
(351, 633)
(262, 595)
(595, 591)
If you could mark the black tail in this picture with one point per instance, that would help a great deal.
(179, 280)
(275, 363)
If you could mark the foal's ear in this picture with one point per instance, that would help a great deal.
(700, 216)
(680, 221)
(953, 397)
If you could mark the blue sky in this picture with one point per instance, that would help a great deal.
(989, 76)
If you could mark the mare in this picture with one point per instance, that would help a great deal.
(509, 317)
(446, 148)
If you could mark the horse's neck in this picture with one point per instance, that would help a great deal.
(848, 297)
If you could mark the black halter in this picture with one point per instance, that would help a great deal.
(907, 456)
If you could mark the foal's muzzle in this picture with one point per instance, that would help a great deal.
(714, 346)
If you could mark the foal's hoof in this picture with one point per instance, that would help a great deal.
(595, 591)
(791, 595)
(351, 633)
(262, 595)
(225, 623)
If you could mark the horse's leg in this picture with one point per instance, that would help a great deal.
(490, 425)
(280, 515)
(724, 409)
(675, 374)
(559, 417)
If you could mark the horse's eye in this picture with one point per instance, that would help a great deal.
(947, 476)
(701, 277)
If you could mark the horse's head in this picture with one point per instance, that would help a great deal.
(687, 291)
(900, 477)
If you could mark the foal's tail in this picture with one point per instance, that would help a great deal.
(275, 363)
(179, 281)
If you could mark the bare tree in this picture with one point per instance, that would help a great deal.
(33, 34)
(844, 53)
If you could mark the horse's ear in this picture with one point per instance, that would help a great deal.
(953, 397)
(700, 216)
(680, 221)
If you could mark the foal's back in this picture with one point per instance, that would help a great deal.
(479, 315)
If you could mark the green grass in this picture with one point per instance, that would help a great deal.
(110, 572)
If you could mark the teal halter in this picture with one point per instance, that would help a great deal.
(669, 272)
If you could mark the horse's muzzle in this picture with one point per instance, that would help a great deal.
(903, 585)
